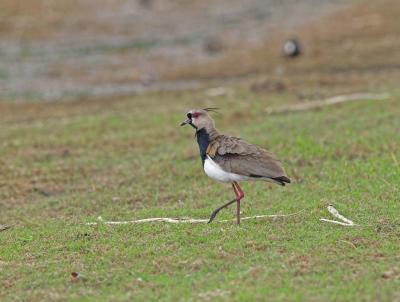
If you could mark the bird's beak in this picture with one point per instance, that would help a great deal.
(187, 121)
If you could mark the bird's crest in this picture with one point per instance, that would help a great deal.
(212, 109)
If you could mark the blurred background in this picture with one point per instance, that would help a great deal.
(92, 93)
(63, 49)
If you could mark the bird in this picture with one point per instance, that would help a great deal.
(229, 159)
(292, 48)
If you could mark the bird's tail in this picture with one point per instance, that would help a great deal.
(282, 180)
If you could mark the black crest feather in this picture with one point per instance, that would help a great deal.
(212, 109)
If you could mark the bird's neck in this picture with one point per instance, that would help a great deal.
(211, 131)
(204, 136)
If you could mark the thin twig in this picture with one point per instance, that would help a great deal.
(344, 221)
(349, 243)
(336, 222)
(183, 220)
(327, 102)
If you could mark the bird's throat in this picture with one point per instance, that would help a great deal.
(203, 139)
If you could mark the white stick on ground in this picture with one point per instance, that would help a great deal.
(183, 220)
(327, 102)
(344, 221)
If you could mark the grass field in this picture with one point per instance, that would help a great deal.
(65, 164)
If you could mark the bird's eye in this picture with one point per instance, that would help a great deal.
(189, 115)
(196, 114)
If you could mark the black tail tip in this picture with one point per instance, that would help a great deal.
(282, 180)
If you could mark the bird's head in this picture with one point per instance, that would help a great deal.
(199, 118)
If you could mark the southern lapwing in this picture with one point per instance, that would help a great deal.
(231, 159)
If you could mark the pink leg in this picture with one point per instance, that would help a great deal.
(239, 195)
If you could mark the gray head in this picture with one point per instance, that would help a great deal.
(199, 119)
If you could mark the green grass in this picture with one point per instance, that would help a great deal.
(129, 159)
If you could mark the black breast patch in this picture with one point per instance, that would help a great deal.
(203, 140)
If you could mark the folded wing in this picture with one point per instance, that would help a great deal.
(237, 156)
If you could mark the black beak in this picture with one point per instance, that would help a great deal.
(187, 121)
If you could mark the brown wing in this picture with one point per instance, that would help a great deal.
(237, 156)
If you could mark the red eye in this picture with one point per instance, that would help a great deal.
(196, 114)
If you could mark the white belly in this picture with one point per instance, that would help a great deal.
(214, 171)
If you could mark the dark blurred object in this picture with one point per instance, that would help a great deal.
(146, 3)
(268, 86)
(213, 45)
(292, 48)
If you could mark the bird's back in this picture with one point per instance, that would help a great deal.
(235, 155)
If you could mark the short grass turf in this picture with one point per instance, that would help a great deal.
(63, 165)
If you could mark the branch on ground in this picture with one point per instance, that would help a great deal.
(183, 220)
(344, 221)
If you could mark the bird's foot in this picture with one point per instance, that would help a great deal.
(213, 214)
